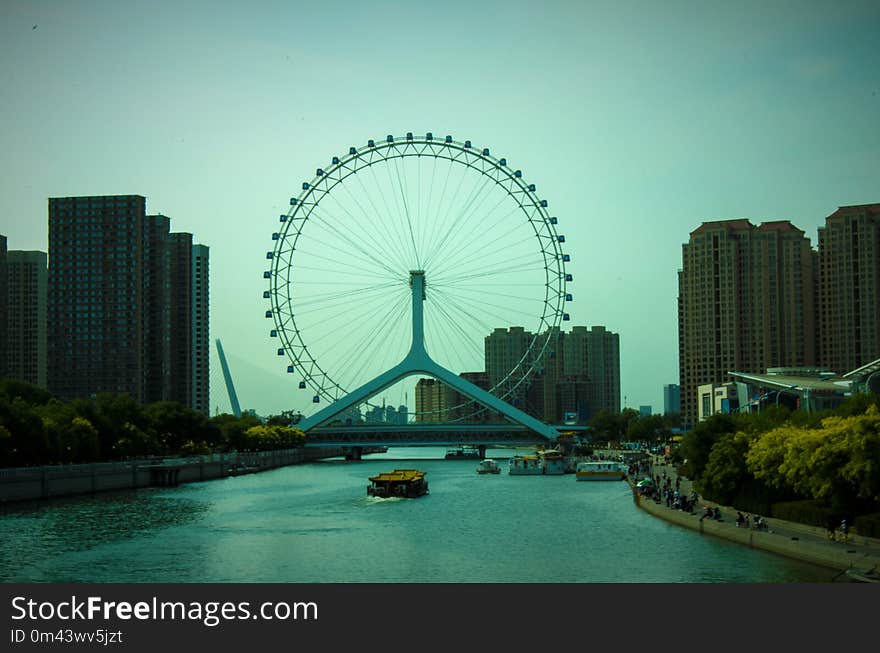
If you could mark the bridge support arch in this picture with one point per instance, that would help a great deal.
(417, 361)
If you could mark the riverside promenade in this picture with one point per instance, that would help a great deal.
(859, 555)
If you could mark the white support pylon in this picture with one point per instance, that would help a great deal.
(417, 361)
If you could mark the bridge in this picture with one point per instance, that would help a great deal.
(481, 436)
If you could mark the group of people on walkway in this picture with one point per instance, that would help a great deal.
(748, 521)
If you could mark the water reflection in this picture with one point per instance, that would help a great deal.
(34, 532)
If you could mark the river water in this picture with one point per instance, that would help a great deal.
(315, 523)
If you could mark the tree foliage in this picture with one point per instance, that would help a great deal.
(37, 429)
(838, 463)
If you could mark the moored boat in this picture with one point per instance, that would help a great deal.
(488, 466)
(550, 463)
(525, 465)
(553, 462)
(463, 453)
(600, 470)
(403, 483)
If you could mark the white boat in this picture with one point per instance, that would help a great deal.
(600, 470)
(528, 465)
(488, 466)
(553, 462)
(549, 463)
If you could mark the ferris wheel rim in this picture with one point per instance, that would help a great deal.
(464, 153)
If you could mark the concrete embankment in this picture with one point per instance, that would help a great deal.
(24, 484)
(783, 538)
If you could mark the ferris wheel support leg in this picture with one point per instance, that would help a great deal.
(351, 400)
(410, 367)
(489, 400)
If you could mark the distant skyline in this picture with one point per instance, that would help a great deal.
(637, 121)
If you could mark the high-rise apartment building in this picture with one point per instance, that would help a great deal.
(433, 400)
(671, 399)
(158, 306)
(26, 316)
(849, 288)
(201, 346)
(603, 368)
(128, 303)
(3, 282)
(578, 372)
(745, 303)
(505, 349)
(96, 296)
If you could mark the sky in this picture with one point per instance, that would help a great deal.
(636, 120)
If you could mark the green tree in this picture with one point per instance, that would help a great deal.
(837, 463)
(726, 471)
(232, 430)
(698, 442)
(650, 428)
(175, 424)
(31, 394)
(607, 426)
(29, 444)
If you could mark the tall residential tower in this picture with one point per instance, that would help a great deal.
(745, 303)
(128, 303)
(849, 288)
(26, 317)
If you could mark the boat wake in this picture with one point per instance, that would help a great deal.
(372, 500)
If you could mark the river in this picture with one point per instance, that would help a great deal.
(314, 523)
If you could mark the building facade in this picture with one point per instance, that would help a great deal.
(96, 305)
(127, 307)
(671, 399)
(577, 374)
(746, 302)
(3, 283)
(27, 294)
(201, 345)
(849, 288)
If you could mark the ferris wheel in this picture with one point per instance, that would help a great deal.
(481, 240)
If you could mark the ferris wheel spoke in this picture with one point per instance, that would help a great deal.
(443, 227)
(466, 338)
(340, 312)
(433, 232)
(472, 256)
(353, 357)
(326, 317)
(348, 259)
(392, 224)
(426, 233)
(484, 274)
(478, 328)
(389, 253)
(342, 297)
(401, 187)
(461, 216)
(364, 233)
(383, 359)
(357, 246)
(481, 226)
(337, 272)
(344, 326)
(480, 293)
(378, 223)
(398, 213)
(504, 314)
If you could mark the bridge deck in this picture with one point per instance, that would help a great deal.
(428, 435)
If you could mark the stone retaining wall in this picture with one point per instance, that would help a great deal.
(26, 484)
(832, 556)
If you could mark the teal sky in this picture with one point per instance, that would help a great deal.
(637, 121)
